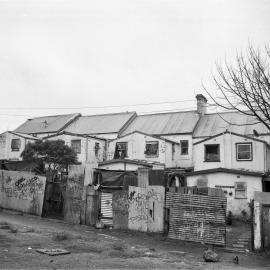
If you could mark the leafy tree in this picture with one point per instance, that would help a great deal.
(54, 153)
(244, 85)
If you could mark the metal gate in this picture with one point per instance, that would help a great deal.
(106, 208)
(266, 226)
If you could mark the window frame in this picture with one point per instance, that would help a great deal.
(126, 155)
(181, 148)
(76, 140)
(236, 190)
(213, 144)
(251, 151)
(97, 148)
(19, 147)
(152, 155)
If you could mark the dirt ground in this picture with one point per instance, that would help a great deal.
(22, 235)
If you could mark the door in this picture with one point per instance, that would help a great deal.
(54, 197)
(106, 208)
(266, 226)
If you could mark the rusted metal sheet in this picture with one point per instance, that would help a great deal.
(197, 218)
(106, 208)
(164, 123)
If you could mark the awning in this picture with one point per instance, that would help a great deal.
(115, 179)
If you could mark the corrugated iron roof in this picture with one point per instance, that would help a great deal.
(164, 123)
(26, 136)
(100, 124)
(46, 124)
(212, 124)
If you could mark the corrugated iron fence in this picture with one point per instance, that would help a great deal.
(196, 217)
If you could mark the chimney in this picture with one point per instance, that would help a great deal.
(201, 104)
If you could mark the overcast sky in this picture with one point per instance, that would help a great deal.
(71, 53)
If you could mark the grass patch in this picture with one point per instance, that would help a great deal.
(60, 236)
(118, 246)
(5, 226)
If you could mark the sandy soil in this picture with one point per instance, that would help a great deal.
(22, 235)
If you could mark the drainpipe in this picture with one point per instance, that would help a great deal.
(86, 150)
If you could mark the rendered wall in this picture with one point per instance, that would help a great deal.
(22, 191)
(140, 209)
(136, 148)
(226, 181)
(228, 160)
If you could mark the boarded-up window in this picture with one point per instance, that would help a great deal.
(121, 150)
(76, 146)
(151, 149)
(211, 153)
(244, 151)
(240, 190)
(96, 149)
(184, 147)
(15, 144)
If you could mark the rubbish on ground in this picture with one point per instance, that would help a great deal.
(210, 256)
(236, 260)
(53, 251)
(29, 248)
(108, 236)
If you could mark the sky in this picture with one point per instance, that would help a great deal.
(61, 56)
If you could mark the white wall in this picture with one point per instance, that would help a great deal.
(228, 160)
(136, 148)
(87, 148)
(254, 183)
(182, 160)
(5, 146)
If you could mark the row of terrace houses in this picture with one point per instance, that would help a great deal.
(226, 150)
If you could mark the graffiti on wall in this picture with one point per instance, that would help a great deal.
(143, 204)
(23, 188)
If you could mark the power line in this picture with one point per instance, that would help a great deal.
(96, 107)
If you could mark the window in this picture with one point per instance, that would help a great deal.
(15, 144)
(151, 149)
(96, 148)
(76, 146)
(240, 190)
(211, 152)
(243, 151)
(120, 150)
(184, 147)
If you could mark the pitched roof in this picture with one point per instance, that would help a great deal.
(130, 161)
(232, 133)
(101, 123)
(212, 124)
(225, 170)
(46, 124)
(145, 134)
(164, 123)
(26, 136)
(73, 134)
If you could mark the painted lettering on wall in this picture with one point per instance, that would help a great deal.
(22, 188)
(143, 205)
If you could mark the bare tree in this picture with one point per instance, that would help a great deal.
(245, 85)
